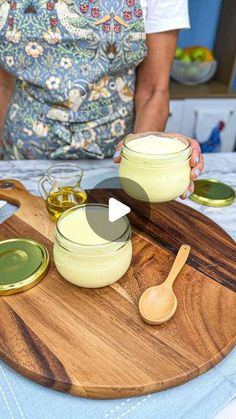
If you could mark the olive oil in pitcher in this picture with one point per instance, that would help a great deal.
(64, 199)
(61, 188)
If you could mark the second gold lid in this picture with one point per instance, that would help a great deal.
(212, 193)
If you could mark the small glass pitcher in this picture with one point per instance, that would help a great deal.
(63, 190)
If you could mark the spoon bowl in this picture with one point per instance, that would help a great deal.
(158, 304)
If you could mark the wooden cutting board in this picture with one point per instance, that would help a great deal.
(93, 343)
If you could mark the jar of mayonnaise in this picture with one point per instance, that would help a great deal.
(158, 164)
(89, 251)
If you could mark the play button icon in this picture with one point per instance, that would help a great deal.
(117, 204)
(117, 210)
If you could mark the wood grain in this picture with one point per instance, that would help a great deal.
(93, 343)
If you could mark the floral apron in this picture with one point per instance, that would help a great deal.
(75, 64)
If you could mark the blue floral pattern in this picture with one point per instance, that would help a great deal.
(75, 62)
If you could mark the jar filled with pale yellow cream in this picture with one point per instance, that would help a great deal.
(90, 251)
(155, 167)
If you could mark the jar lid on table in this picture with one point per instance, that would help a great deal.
(23, 264)
(212, 193)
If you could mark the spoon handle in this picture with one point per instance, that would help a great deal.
(178, 264)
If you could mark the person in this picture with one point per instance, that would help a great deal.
(77, 76)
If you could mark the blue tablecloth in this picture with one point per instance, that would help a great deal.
(200, 398)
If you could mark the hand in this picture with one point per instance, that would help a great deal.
(196, 162)
(197, 166)
(117, 156)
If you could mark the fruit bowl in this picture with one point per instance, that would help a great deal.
(192, 73)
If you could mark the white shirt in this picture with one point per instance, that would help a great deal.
(165, 15)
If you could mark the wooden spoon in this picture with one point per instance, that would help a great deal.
(158, 304)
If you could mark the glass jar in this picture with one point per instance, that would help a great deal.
(83, 257)
(160, 176)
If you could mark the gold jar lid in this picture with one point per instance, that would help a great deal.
(23, 263)
(212, 193)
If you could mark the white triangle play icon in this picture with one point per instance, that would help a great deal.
(117, 210)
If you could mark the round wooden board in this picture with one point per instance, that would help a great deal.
(93, 343)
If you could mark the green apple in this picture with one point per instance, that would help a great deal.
(178, 53)
(186, 58)
(198, 54)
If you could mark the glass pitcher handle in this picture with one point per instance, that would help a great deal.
(41, 186)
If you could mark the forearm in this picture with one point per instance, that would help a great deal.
(6, 90)
(152, 88)
(152, 112)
